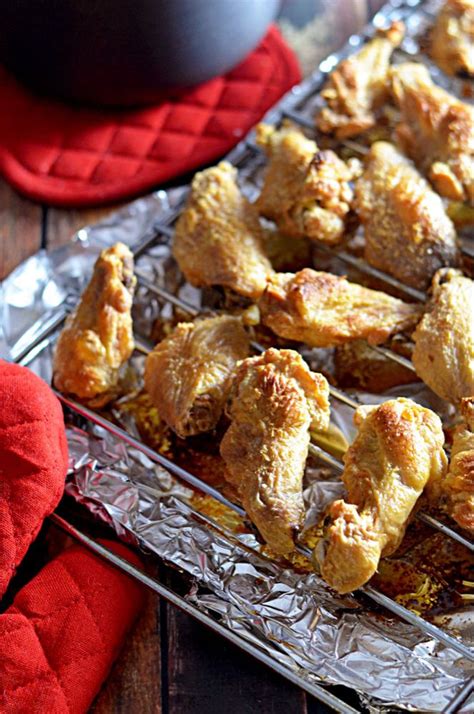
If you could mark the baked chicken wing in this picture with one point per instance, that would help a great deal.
(452, 37)
(436, 130)
(188, 375)
(359, 86)
(275, 401)
(407, 231)
(458, 486)
(306, 191)
(398, 448)
(98, 337)
(325, 310)
(444, 338)
(218, 238)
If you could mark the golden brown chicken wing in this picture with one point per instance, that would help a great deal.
(452, 37)
(359, 86)
(398, 448)
(437, 131)
(458, 486)
(444, 339)
(98, 337)
(326, 310)
(218, 238)
(275, 401)
(188, 375)
(306, 191)
(407, 231)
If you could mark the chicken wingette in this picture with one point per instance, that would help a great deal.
(218, 238)
(305, 191)
(436, 130)
(359, 86)
(325, 310)
(458, 486)
(188, 374)
(97, 339)
(407, 231)
(398, 448)
(452, 37)
(275, 401)
(444, 339)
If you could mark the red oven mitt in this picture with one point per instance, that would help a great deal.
(59, 638)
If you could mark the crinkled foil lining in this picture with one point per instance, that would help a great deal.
(289, 613)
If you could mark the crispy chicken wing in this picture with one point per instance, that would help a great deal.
(458, 486)
(98, 337)
(436, 130)
(188, 375)
(452, 37)
(358, 365)
(218, 238)
(306, 191)
(359, 86)
(326, 310)
(444, 339)
(407, 231)
(275, 401)
(398, 448)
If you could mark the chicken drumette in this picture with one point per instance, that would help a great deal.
(458, 486)
(444, 339)
(275, 401)
(436, 130)
(188, 375)
(359, 86)
(407, 231)
(326, 310)
(98, 337)
(218, 238)
(452, 38)
(306, 191)
(398, 448)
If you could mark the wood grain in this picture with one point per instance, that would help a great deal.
(207, 674)
(61, 224)
(134, 686)
(20, 228)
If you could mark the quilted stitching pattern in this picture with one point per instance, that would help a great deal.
(33, 462)
(60, 636)
(69, 156)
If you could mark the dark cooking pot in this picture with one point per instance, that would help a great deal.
(114, 52)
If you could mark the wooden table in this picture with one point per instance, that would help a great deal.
(170, 663)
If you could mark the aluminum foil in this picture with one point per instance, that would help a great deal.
(290, 613)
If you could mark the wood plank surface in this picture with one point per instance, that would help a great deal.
(20, 228)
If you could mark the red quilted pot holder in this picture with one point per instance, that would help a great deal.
(61, 635)
(72, 156)
(33, 462)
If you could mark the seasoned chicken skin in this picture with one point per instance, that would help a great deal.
(452, 37)
(275, 401)
(458, 486)
(306, 191)
(218, 238)
(188, 375)
(359, 86)
(444, 339)
(407, 231)
(326, 310)
(98, 337)
(398, 448)
(437, 131)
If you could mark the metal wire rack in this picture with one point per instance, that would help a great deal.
(298, 106)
